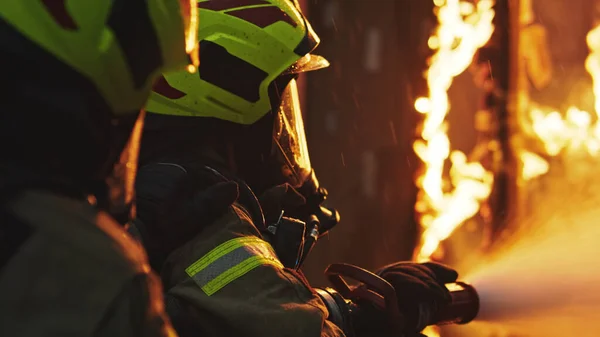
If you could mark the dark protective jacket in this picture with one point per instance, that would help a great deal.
(228, 281)
(75, 273)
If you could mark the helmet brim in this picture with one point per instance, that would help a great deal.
(310, 62)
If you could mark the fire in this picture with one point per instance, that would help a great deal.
(562, 207)
(533, 165)
(573, 131)
(445, 202)
(592, 65)
(463, 28)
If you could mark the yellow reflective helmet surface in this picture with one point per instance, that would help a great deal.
(251, 51)
(245, 45)
(93, 63)
(119, 45)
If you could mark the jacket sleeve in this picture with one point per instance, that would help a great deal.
(228, 281)
(138, 310)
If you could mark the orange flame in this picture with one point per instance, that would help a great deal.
(463, 28)
(574, 131)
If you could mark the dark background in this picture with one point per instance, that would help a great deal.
(361, 125)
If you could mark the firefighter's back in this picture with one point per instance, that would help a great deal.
(76, 273)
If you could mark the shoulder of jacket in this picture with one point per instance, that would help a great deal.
(78, 226)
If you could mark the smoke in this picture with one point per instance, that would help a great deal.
(547, 282)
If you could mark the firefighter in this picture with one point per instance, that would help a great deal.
(238, 120)
(75, 77)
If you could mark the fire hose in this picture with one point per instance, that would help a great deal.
(345, 302)
(293, 240)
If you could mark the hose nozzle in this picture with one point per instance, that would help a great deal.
(462, 309)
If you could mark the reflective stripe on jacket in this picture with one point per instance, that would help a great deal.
(231, 278)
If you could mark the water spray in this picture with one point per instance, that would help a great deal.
(545, 282)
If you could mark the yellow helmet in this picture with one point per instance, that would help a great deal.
(250, 54)
(245, 45)
(77, 74)
(118, 45)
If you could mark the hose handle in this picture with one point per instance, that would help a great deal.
(373, 289)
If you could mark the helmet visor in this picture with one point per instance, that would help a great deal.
(308, 62)
(289, 138)
(121, 183)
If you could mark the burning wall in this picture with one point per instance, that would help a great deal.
(360, 126)
(463, 28)
(555, 134)
(556, 105)
(358, 123)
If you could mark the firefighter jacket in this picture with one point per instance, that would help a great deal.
(227, 280)
(232, 278)
(77, 273)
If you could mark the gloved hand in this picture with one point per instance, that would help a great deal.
(418, 283)
(173, 206)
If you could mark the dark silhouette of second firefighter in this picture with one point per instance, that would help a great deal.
(75, 78)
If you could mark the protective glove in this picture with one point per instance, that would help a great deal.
(416, 284)
(173, 207)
